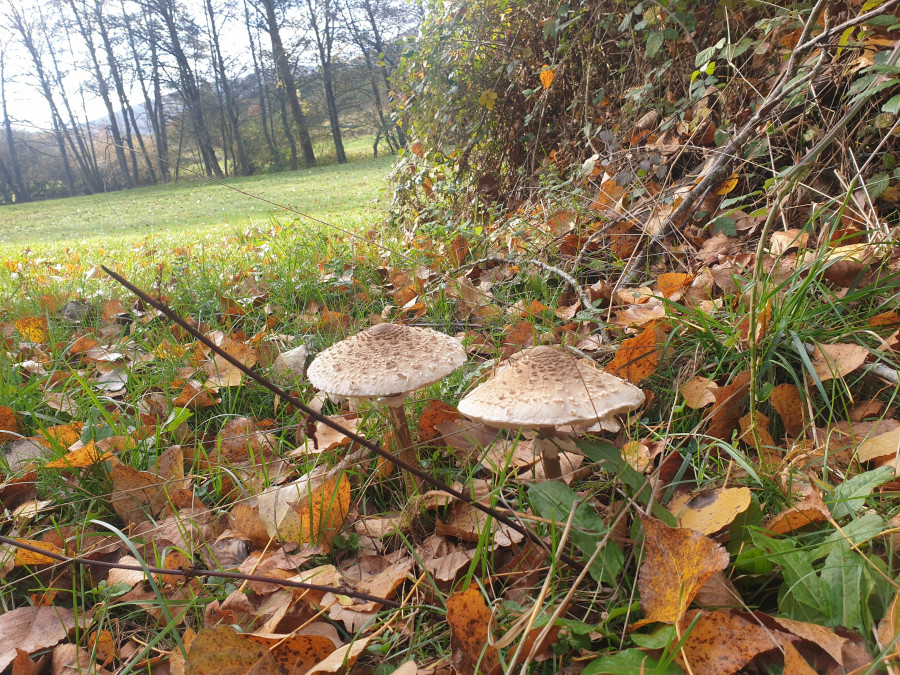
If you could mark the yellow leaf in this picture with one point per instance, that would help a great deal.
(25, 558)
(488, 99)
(547, 75)
(727, 185)
(32, 328)
(87, 455)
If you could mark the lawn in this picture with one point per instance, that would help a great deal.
(183, 211)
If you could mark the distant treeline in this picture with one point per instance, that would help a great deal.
(177, 98)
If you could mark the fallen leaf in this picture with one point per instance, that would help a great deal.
(830, 361)
(87, 455)
(726, 413)
(9, 425)
(710, 510)
(32, 328)
(309, 510)
(219, 650)
(32, 629)
(341, 659)
(137, 495)
(469, 619)
(466, 523)
(326, 437)
(788, 403)
(722, 642)
(638, 357)
(26, 558)
(295, 653)
(699, 392)
(70, 658)
(808, 511)
(434, 413)
(677, 562)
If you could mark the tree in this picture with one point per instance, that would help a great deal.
(323, 15)
(19, 189)
(287, 81)
(80, 16)
(189, 87)
(231, 107)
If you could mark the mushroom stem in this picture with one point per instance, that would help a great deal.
(549, 456)
(407, 450)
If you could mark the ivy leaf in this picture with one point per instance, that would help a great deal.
(488, 99)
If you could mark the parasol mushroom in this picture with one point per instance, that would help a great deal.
(387, 361)
(545, 388)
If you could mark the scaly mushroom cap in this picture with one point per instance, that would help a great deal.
(386, 360)
(549, 387)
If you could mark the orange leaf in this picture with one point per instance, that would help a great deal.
(638, 357)
(87, 455)
(677, 562)
(9, 422)
(469, 619)
(434, 413)
(547, 75)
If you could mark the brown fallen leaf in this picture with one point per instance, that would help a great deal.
(70, 658)
(677, 562)
(467, 524)
(831, 361)
(637, 357)
(722, 642)
(726, 413)
(295, 653)
(10, 429)
(219, 649)
(699, 392)
(137, 495)
(342, 659)
(809, 511)
(434, 413)
(326, 438)
(32, 629)
(788, 403)
(308, 510)
(469, 619)
(710, 510)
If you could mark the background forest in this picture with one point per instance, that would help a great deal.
(99, 95)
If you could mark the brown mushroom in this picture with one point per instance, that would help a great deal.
(387, 361)
(547, 387)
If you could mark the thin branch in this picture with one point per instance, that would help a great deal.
(195, 573)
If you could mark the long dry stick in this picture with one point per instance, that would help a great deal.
(167, 311)
(195, 572)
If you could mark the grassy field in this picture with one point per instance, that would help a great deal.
(186, 210)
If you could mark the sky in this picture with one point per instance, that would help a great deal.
(29, 110)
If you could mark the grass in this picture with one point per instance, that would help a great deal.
(285, 276)
(190, 209)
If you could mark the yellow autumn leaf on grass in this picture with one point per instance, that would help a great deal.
(488, 99)
(32, 328)
(547, 75)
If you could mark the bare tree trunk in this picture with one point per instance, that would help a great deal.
(285, 125)
(103, 90)
(322, 18)
(157, 111)
(286, 75)
(378, 43)
(20, 190)
(127, 110)
(260, 85)
(231, 107)
(190, 90)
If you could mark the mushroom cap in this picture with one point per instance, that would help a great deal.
(548, 387)
(386, 360)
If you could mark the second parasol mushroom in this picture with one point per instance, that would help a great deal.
(388, 361)
(548, 387)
